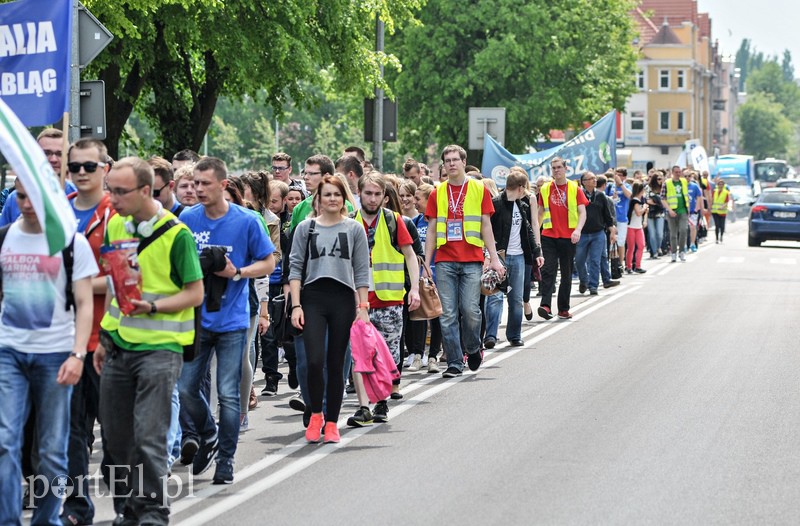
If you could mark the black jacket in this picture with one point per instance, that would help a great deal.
(501, 226)
(599, 215)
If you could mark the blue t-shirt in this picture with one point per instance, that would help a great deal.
(242, 234)
(621, 202)
(694, 193)
(83, 216)
(11, 208)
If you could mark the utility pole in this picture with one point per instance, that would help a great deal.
(377, 128)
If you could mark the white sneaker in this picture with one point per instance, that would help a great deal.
(425, 361)
(433, 367)
(416, 364)
(409, 359)
(682, 255)
(673, 257)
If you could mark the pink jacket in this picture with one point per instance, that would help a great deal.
(373, 360)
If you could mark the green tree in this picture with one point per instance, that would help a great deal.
(765, 130)
(174, 59)
(551, 64)
(770, 80)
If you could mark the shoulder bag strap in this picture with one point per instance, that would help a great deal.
(145, 242)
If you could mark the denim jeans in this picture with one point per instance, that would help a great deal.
(229, 349)
(135, 410)
(459, 291)
(515, 268)
(174, 433)
(588, 254)
(30, 379)
(605, 268)
(655, 233)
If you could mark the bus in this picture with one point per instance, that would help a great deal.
(768, 171)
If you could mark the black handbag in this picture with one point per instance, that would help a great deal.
(616, 263)
(278, 319)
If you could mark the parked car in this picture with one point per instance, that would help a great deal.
(775, 215)
(788, 183)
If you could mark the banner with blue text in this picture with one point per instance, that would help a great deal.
(594, 149)
(35, 41)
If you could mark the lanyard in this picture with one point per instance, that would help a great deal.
(561, 198)
(454, 205)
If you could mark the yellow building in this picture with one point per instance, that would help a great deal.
(675, 82)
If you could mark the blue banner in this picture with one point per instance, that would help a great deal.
(594, 149)
(35, 42)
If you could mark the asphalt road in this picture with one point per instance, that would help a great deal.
(671, 399)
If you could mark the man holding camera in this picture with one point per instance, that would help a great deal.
(224, 328)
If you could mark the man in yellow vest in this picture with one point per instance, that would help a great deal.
(562, 214)
(719, 208)
(459, 212)
(141, 351)
(390, 255)
(675, 193)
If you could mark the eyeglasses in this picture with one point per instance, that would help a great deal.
(306, 172)
(279, 168)
(157, 191)
(452, 161)
(119, 192)
(89, 166)
(50, 153)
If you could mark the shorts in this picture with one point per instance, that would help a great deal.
(693, 217)
(622, 233)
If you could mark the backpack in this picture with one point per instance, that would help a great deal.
(67, 257)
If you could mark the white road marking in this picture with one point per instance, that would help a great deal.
(783, 261)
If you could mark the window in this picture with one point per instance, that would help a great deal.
(663, 120)
(681, 79)
(681, 121)
(637, 121)
(640, 79)
(663, 79)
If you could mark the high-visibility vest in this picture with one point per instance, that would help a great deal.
(672, 195)
(388, 263)
(572, 204)
(472, 212)
(720, 203)
(155, 267)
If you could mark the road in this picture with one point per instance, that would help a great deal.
(670, 399)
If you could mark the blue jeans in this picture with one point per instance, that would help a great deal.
(174, 433)
(655, 233)
(587, 257)
(27, 379)
(515, 268)
(229, 349)
(459, 291)
(605, 268)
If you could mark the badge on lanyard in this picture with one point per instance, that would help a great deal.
(455, 230)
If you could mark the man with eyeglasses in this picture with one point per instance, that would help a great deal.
(459, 211)
(164, 185)
(51, 142)
(589, 252)
(282, 170)
(317, 166)
(92, 207)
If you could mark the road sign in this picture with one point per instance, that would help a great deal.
(486, 120)
(93, 37)
(93, 109)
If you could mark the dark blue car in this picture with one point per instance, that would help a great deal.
(775, 216)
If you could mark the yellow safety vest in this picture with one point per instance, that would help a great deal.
(572, 205)
(388, 265)
(154, 264)
(672, 195)
(472, 213)
(720, 202)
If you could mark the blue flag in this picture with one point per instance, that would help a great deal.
(594, 149)
(35, 42)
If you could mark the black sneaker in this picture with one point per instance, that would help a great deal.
(271, 387)
(296, 403)
(189, 448)
(205, 456)
(612, 283)
(451, 372)
(639, 270)
(593, 292)
(475, 360)
(545, 312)
(516, 342)
(381, 412)
(292, 378)
(489, 342)
(362, 418)
(582, 287)
(224, 472)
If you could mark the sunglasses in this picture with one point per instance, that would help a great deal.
(89, 166)
(157, 191)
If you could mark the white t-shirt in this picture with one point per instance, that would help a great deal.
(514, 243)
(33, 318)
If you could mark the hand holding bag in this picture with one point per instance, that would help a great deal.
(430, 306)
(616, 263)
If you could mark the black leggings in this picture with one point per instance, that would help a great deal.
(329, 307)
(719, 225)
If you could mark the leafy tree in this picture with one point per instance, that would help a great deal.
(787, 67)
(765, 130)
(551, 63)
(173, 59)
(770, 79)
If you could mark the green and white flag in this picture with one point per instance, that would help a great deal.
(41, 183)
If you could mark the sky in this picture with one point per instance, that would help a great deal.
(771, 25)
